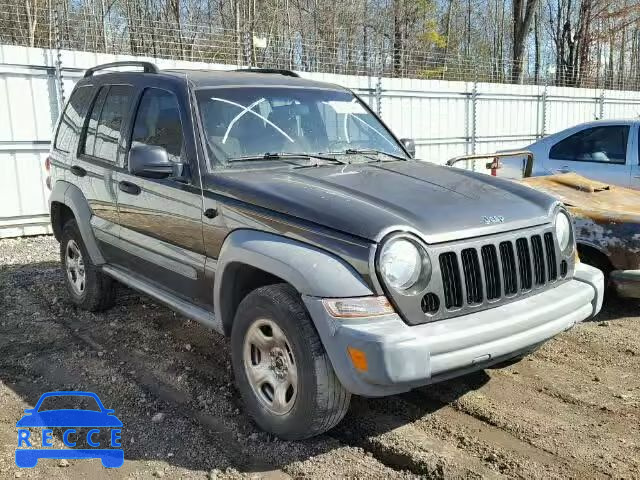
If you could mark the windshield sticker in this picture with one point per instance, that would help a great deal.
(240, 115)
(346, 108)
(248, 110)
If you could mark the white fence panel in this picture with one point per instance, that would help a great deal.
(618, 104)
(569, 106)
(434, 113)
(23, 205)
(445, 118)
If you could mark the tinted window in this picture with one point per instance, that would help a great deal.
(158, 122)
(73, 118)
(90, 136)
(103, 131)
(598, 144)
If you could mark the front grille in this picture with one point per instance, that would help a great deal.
(494, 271)
(538, 259)
(552, 266)
(524, 263)
(508, 268)
(491, 271)
(472, 276)
(451, 280)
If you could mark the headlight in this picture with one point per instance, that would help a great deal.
(563, 231)
(401, 263)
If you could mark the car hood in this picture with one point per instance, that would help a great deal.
(590, 198)
(69, 418)
(372, 199)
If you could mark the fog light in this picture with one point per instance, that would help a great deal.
(358, 359)
(357, 307)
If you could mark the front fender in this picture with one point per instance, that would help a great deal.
(311, 271)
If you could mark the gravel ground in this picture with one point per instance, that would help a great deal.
(571, 410)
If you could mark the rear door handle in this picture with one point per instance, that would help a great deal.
(78, 171)
(564, 169)
(128, 187)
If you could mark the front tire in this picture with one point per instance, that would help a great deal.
(282, 371)
(87, 286)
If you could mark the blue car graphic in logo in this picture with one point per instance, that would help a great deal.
(69, 420)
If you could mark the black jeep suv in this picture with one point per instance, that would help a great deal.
(283, 213)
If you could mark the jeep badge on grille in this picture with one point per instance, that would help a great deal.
(493, 219)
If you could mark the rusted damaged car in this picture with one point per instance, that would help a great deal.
(607, 220)
(607, 217)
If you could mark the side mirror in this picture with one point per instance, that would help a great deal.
(150, 161)
(410, 145)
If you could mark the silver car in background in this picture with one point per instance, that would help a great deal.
(604, 150)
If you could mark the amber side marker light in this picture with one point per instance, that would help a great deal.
(358, 359)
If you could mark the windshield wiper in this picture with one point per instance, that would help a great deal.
(285, 156)
(365, 152)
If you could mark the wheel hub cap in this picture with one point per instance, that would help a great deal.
(278, 363)
(270, 366)
(75, 267)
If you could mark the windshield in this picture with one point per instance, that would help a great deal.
(244, 122)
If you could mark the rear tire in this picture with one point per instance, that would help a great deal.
(282, 371)
(87, 286)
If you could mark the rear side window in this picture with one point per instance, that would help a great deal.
(607, 144)
(92, 127)
(108, 114)
(158, 122)
(73, 118)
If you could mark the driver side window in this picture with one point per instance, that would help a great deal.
(606, 144)
(158, 122)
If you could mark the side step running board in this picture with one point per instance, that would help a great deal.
(172, 301)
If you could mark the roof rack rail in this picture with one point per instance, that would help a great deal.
(147, 66)
(277, 71)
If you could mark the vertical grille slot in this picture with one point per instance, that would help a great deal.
(538, 259)
(509, 275)
(524, 263)
(451, 280)
(491, 271)
(552, 266)
(495, 272)
(472, 276)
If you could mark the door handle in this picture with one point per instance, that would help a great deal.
(129, 187)
(211, 213)
(78, 171)
(564, 169)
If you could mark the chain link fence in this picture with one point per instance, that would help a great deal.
(55, 24)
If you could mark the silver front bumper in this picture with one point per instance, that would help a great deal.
(401, 357)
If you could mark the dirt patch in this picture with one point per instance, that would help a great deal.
(572, 409)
